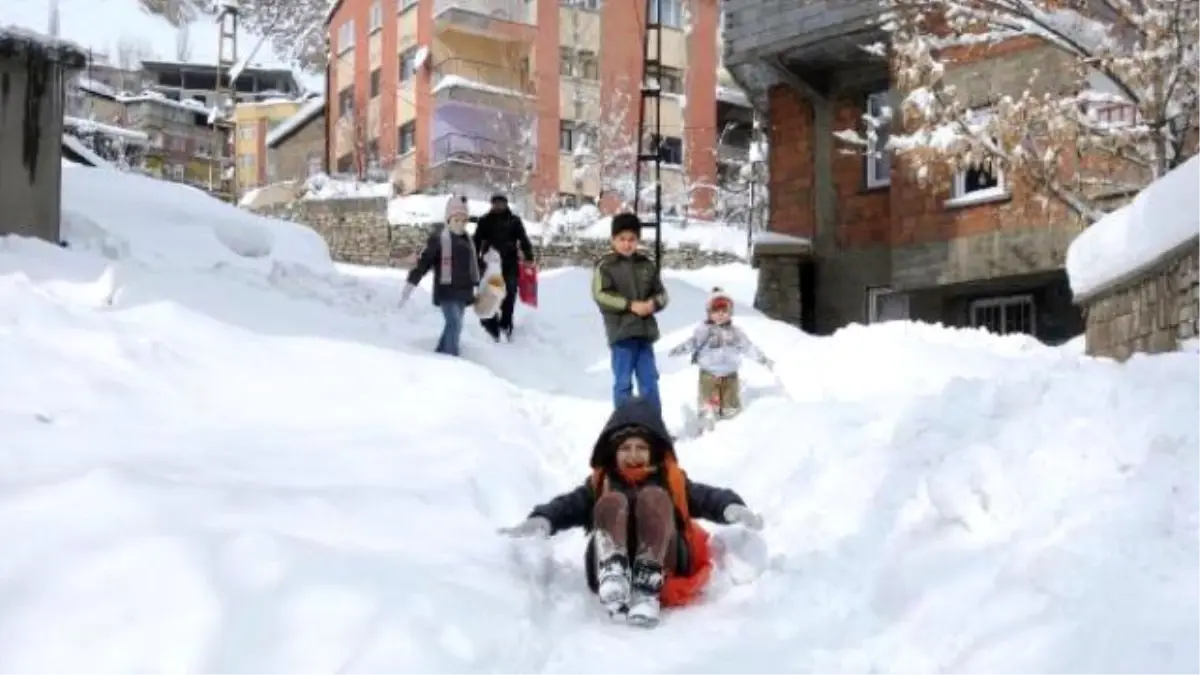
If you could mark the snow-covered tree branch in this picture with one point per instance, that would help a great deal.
(1123, 112)
(296, 28)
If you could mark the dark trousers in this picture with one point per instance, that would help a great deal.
(634, 358)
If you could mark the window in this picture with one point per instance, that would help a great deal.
(406, 138)
(246, 161)
(346, 36)
(345, 163)
(178, 172)
(346, 102)
(672, 13)
(566, 136)
(246, 133)
(670, 149)
(407, 4)
(372, 149)
(1004, 315)
(978, 184)
(591, 5)
(567, 200)
(884, 304)
(670, 80)
(408, 63)
(376, 76)
(376, 16)
(879, 160)
(578, 63)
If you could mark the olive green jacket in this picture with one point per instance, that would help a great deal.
(620, 280)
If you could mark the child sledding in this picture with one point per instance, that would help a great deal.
(645, 550)
(717, 347)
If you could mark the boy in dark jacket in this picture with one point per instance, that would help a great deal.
(635, 472)
(451, 255)
(627, 288)
(502, 231)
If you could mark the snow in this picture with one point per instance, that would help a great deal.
(213, 464)
(36, 36)
(102, 30)
(143, 221)
(85, 153)
(85, 126)
(321, 187)
(303, 115)
(1163, 217)
(428, 209)
(586, 223)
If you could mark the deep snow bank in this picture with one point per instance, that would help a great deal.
(220, 469)
(129, 216)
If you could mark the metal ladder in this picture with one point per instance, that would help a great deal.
(651, 94)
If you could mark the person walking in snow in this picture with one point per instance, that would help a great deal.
(717, 347)
(628, 289)
(635, 473)
(450, 253)
(503, 231)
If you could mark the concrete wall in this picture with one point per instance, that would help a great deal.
(1152, 310)
(357, 231)
(753, 26)
(32, 93)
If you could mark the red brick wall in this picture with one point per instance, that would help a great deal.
(864, 215)
(790, 163)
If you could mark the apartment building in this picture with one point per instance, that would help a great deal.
(253, 122)
(479, 94)
(970, 249)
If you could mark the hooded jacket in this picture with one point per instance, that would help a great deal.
(574, 509)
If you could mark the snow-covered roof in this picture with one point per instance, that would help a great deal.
(92, 126)
(22, 39)
(95, 87)
(291, 125)
(74, 147)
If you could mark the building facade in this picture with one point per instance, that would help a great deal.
(296, 146)
(967, 249)
(478, 95)
(253, 122)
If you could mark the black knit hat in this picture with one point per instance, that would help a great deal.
(626, 222)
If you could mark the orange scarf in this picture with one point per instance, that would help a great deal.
(677, 590)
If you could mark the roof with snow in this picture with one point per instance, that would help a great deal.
(18, 42)
(307, 113)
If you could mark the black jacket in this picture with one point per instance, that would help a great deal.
(574, 508)
(503, 232)
(462, 286)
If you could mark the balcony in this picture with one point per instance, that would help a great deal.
(818, 40)
(473, 160)
(484, 84)
(504, 20)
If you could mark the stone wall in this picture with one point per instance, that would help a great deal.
(357, 231)
(1152, 310)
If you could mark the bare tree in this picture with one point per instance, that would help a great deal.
(1127, 114)
(183, 45)
(129, 55)
(296, 28)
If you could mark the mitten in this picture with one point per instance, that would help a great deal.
(536, 526)
(767, 363)
(740, 515)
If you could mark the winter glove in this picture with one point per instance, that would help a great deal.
(536, 526)
(740, 515)
(767, 363)
(678, 350)
(408, 289)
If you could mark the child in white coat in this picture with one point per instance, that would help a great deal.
(717, 348)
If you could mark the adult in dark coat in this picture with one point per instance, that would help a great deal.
(503, 231)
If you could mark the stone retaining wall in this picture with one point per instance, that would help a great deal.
(357, 231)
(1151, 310)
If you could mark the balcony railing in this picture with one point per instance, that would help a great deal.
(475, 150)
(516, 11)
(496, 79)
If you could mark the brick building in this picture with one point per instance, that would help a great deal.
(969, 249)
(462, 93)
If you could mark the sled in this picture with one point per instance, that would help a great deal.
(527, 284)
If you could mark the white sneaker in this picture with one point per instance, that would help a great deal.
(644, 610)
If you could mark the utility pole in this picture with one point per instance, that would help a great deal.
(650, 106)
(222, 115)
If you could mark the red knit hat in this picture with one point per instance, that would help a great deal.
(719, 300)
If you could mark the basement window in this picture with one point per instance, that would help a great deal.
(977, 185)
(1005, 315)
(884, 304)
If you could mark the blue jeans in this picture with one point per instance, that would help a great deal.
(452, 312)
(632, 358)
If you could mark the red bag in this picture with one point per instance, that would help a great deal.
(527, 284)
